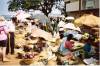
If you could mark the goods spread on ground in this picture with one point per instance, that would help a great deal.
(41, 48)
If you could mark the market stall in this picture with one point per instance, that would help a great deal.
(88, 23)
(42, 48)
(90, 26)
(41, 33)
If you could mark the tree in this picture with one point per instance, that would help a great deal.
(22, 4)
(46, 5)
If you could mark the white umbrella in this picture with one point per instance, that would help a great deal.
(88, 20)
(36, 32)
(41, 17)
(70, 18)
(71, 26)
(23, 16)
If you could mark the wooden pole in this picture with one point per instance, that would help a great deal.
(80, 3)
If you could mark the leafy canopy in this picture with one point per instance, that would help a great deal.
(22, 4)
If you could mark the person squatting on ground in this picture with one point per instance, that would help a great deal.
(69, 45)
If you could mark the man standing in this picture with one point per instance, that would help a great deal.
(11, 39)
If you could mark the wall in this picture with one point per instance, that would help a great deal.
(83, 4)
(97, 3)
(72, 6)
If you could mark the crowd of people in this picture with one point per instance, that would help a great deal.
(7, 30)
(70, 33)
(7, 33)
(67, 31)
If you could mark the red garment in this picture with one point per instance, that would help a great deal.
(69, 44)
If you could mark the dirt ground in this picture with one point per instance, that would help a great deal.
(14, 61)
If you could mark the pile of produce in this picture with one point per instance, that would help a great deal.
(28, 55)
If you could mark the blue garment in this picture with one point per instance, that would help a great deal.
(62, 49)
(74, 33)
(87, 47)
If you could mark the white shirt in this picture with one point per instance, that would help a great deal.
(11, 26)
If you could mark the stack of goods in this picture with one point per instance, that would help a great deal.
(27, 48)
(65, 61)
(26, 61)
(78, 45)
(19, 39)
(28, 55)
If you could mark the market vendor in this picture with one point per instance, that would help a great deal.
(67, 45)
(33, 25)
(91, 53)
(88, 47)
(11, 39)
(40, 44)
(61, 32)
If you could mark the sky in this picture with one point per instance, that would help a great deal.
(4, 7)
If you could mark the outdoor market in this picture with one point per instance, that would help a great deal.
(49, 32)
(38, 41)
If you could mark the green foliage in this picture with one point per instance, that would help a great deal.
(31, 4)
(23, 4)
(12, 5)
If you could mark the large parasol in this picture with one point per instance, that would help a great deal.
(42, 18)
(71, 26)
(22, 15)
(88, 20)
(89, 23)
(36, 32)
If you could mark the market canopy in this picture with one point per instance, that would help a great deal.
(35, 12)
(88, 20)
(21, 15)
(70, 18)
(55, 13)
(42, 18)
(71, 26)
(41, 33)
